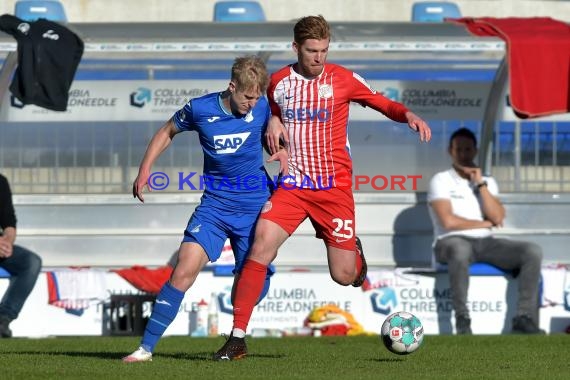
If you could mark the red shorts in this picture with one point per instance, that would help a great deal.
(331, 212)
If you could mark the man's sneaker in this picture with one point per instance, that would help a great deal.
(233, 349)
(140, 355)
(523, 324)
(5, 331)
(364, 269)
(463, 325)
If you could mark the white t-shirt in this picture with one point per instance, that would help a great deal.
(465, 202)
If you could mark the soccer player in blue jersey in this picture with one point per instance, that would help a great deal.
(230, 125)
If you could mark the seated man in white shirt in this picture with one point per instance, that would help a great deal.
(464, 208)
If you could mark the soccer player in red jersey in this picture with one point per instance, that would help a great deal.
(310, 105)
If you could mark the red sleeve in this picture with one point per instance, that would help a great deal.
(365, 95)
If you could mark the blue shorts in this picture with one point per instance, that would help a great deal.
(211, 227)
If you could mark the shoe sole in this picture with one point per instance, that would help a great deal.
(130, 359)
(226, 358)
(364, 270)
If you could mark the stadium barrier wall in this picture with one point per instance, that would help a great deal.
(293, 295)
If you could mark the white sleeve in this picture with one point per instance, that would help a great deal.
(438, 189)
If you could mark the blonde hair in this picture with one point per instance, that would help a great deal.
(249, 73)
(311, 28)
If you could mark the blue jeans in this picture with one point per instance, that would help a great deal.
(24, 267)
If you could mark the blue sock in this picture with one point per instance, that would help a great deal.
(163, 313)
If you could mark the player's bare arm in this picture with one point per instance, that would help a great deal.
(276, 135)
(418, 125)
(158, 144)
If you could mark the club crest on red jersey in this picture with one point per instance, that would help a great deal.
(325, 91)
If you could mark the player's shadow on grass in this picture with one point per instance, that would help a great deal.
(207, 356)
(196, 356)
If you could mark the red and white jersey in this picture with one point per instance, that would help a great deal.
(315, 113)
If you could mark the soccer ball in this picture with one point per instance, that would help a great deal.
(402, 333)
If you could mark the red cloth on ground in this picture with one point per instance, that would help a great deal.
(147, 280)
(334, 330)
(538, 57)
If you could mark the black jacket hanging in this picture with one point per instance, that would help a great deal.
(48, 56)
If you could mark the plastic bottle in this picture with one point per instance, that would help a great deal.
(202, 319)
(213, 316)
(193, 318)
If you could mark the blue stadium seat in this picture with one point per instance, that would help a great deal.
(31, 10)
(4, 273)
(238, 11)
(478, 269)
(434, 11)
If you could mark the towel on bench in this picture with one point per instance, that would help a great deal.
(73, 289)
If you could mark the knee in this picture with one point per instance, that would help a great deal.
(533, 253)
(34, 264)
(182, 279)
(460, 258)
(457, 251)
(343, 277)
(261, 252)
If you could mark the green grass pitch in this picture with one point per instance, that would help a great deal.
(440, 357)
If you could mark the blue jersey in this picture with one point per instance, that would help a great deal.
(233, 174)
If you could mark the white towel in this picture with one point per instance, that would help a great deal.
(76, 288)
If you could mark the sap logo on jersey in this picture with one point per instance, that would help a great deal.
(302, 114)
(230, 143)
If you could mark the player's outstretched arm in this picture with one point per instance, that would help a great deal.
(158, 144)
(418, 125)
(276, 135)
(140, 182)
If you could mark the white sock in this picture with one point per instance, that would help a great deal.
(238, 333)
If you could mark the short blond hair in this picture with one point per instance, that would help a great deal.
(250, 73)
